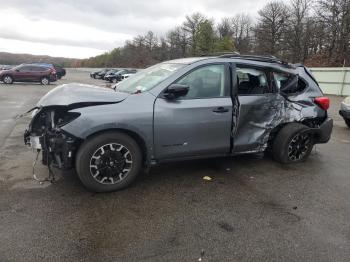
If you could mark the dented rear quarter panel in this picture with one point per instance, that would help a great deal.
(259, 115)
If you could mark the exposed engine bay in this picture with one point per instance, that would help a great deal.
(45, 135)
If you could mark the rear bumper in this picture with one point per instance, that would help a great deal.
(53, 78)
(324, 131)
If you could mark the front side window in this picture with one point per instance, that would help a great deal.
(205, 82)
(147, 79)
(24, 68)
(251, 81)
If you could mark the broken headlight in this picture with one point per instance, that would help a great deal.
(67, 118)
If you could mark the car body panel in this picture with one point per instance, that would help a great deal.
(345, 109)
(191, 127)
(74, 93)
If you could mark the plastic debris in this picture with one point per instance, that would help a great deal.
(207, 178)
(202, 255)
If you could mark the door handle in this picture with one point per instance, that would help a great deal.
(220, 110)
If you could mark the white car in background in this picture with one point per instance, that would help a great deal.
(345, 110)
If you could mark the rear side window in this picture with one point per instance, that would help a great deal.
(38, 69)
(24, 69)
(252, 81)
(282, 79)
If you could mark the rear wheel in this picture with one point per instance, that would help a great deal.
(108, 162)
(7, 79)
(292, 144)
(347, 122)
(45, 81)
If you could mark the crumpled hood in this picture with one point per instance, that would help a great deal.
(76, 94)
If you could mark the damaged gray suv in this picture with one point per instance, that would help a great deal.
(181, 109)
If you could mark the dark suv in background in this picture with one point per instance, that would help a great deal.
(29, 73)
(100, 74)
(116, 75)
(60, 71)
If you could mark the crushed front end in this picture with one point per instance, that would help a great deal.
(45, 134)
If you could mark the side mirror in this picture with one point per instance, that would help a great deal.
(175, 91)
(291, 86)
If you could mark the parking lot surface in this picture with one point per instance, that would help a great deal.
(254, 209)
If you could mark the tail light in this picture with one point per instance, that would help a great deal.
(322, 102)
(53, 71)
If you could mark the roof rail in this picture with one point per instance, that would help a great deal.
(269, 59)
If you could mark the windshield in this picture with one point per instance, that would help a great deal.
(147, 79)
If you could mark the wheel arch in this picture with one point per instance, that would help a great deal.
(134, 135)
(311, 123)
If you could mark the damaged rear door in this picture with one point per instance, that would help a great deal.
(259, 108)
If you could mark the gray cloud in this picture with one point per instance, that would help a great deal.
(130, 17)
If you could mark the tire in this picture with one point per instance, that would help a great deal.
(347, 121)
(7, 79)
(292, 144)
(94, 76)
(108, 166)
(45, 81)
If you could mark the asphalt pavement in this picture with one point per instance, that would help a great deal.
(254, 209)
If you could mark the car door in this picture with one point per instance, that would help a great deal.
(37, 72)
(198, 123)
(259, 107)
(23, 73)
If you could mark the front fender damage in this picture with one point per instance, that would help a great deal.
(46, 135)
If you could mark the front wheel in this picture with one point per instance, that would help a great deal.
(7, 79)
(108, 162)
(292, 144)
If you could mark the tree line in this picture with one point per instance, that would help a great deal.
(316, 33)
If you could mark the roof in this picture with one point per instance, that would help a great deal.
(242, 58)
(187, 60)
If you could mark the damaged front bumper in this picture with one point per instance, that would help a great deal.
(57, 148)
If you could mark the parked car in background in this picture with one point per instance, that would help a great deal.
(125, 76)
(6, 67)
(345, 110)
(29, 73)
(181, 109)
(110, 74)
(60, 71)
(117, 76)
(128, 72)
(99, 74)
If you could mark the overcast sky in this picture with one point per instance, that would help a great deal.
(84, 28)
